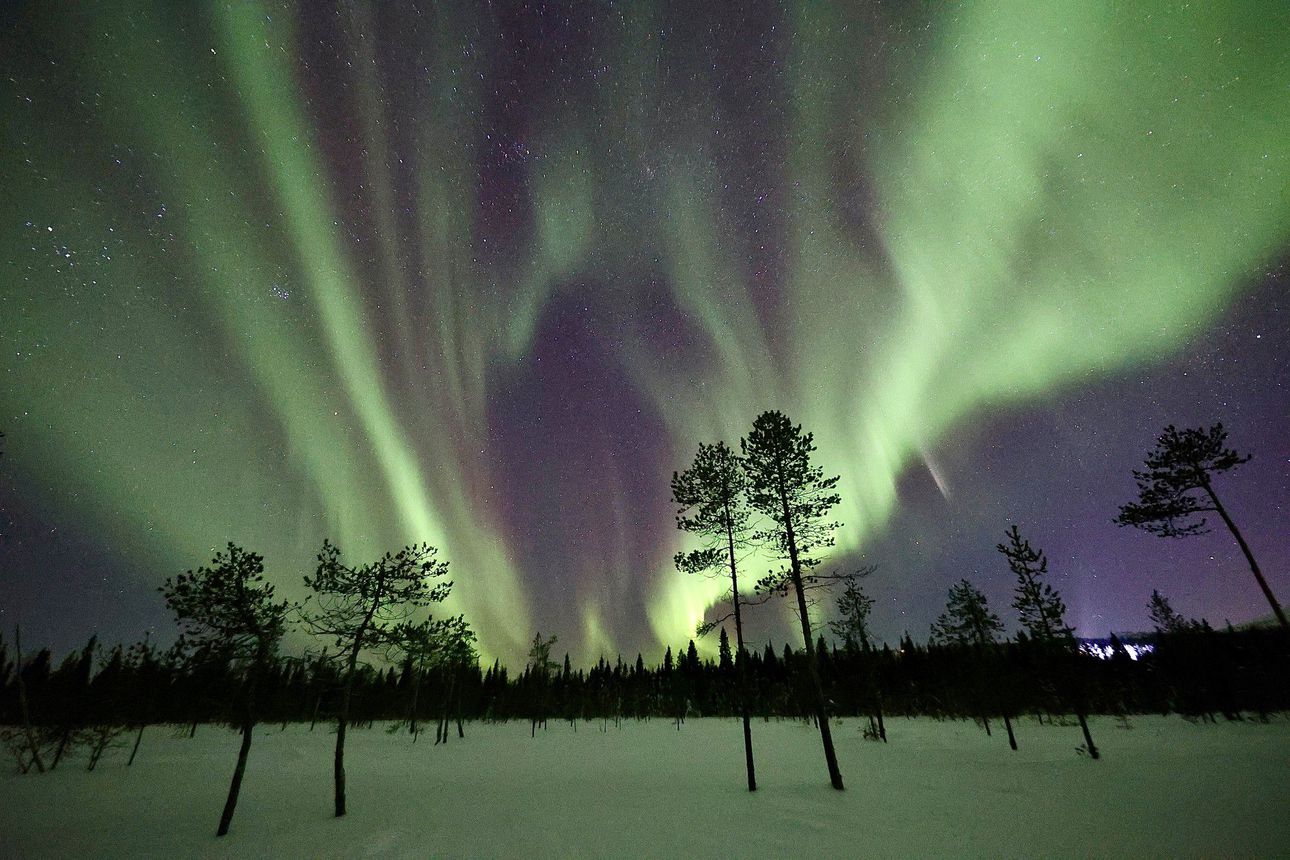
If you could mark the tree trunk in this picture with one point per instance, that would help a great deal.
(135, 750)
(235, 787)
(22, 703)
(1088, 738)
(62, 746)
(812, 666)
(1012, 739)
(416, 692)
(742, 667)
(342, 724)
(1249, 557)
(248, 722)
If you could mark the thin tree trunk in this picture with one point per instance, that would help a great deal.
(342, 724)
(248, 723)
(22, 703)
(1088, 738)
(416, 692)
(1012, 739)
(235, 787)
(135, 750)
(1249, 557)
(741, 668)
(812, 667)
(62, 745)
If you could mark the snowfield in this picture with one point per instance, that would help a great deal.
(1165, 787)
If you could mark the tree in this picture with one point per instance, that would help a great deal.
(230, 608)
(1165, 618)
(711, 497)
(1177, 488)
(852, 625)
(853, 607)
(540, 668)
(1042, 612)
(796, 498)
(363, 607)
(967, 622)
(446, 644)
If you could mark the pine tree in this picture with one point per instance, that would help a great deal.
(230, 608)
(796, 497)
(1043, 613)
(967, 622)
(712, 499)
(1177, 487)
(364, 607)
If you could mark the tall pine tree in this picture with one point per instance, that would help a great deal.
(712, 504)
(796, 497)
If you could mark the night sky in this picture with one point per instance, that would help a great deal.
(484, 275)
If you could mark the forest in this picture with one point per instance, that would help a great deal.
(382, 658)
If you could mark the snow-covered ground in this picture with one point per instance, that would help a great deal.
(1165, 787)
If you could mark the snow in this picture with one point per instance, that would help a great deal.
(1165, 787)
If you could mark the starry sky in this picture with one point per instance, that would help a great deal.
(485, 274)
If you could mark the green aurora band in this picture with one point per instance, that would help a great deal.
(1061, 194)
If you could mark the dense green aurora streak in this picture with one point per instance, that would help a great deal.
(1058, 195)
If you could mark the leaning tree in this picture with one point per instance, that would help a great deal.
(228, 608)
(362, 608)
(1043, 614)
(796, 498)
(711, 500)
(1177, 488)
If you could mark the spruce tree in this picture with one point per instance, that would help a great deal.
(363, 607)
(1043, 614)
(796, 498)
(228, 608)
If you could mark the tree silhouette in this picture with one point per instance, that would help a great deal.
(968, 623)
(712, 502)
(362, 607)
(1165, 619)
(796, 497)
(1177, 488)
(230, 608)
(1043, 614)
(852, 625)
(540, 668)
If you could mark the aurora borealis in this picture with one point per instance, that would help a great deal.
(484, 275)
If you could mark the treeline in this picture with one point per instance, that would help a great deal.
(1200, 672)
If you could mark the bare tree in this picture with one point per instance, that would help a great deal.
(362, 607)
(228, 607)
(1177, 488)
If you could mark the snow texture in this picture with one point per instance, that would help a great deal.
(1165, 787)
